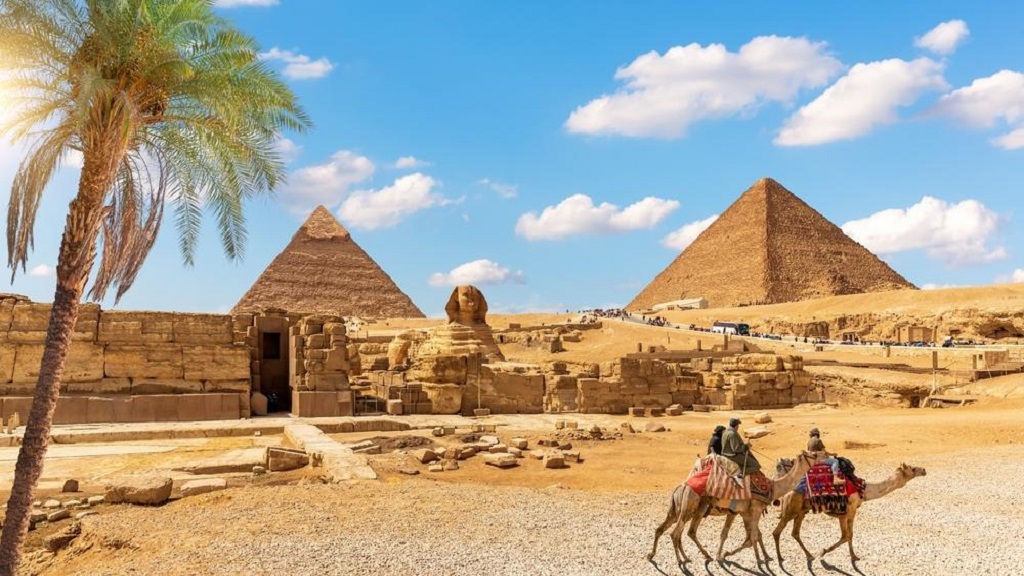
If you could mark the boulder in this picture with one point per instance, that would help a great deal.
(449, 465)
(58, 515)
(51, 504)
(498, 449)
(654, 427)
(626, 427)
(500, 460)
(145, 489)
(435, 468)
(490, 440)
(95, 500)
(520, 443)
(258, 404)
(70, 486)
(424, 455)
(554, 461)
(195, 487)
(572, 456)
(85, 514)
(763, 418)
(754, 433)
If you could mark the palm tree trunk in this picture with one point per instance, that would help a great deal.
(77, 251)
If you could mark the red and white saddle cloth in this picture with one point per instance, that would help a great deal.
(714, 476)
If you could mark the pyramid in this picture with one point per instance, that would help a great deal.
(769, 247)
(322, 270)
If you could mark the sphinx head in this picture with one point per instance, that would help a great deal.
(467, 306)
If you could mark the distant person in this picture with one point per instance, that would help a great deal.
(715, 444)
(738, 451)
(814, 444)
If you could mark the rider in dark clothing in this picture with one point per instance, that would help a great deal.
(715, 444)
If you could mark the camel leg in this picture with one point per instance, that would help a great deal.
(698, 517)
(670, 519)
(724, 535)
(849, 532)
(843, 538)
(750, 540)
(783, 521)
(686, 511)
(797, 522)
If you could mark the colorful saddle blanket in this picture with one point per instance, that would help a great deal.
(819, 489)
(712, 478)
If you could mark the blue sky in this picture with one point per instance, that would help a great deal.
(559, 155)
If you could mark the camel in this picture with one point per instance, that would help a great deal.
(685, 504)
(795, 507)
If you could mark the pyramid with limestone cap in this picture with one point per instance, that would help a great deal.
(322, 270)
(769, 247)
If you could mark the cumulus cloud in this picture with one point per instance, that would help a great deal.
(578, 215)
(865, 98)
(683, 237)
(1017, 275)
(958, 234)
(409, 162)
(931, 286)
(42, 270)
(506, 191)
(482, 272)
(664, 94)
(390, 205)
(237, 3)
(944, 38)
(326, 183)
(987, 102)
(287, 149)
(299, 66)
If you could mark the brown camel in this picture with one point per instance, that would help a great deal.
(795, 507)
(685, 504)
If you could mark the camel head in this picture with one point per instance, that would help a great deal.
(910, 472)
(784, 465)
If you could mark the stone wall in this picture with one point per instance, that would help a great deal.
(127, 366)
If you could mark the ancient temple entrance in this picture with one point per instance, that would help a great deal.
(273, 362)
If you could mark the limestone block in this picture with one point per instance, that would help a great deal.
(84, 363)
(226, 362)
(103, 386)
(316, 341)
(554, 460)
(202, 329)
(444, 398)
(121, 332)
(150, 361)
(72, 410)
(503, 460)
(327, 382)
(394, 407)
(149, 489)
(100, 410)
(165, 386)
(203, 486)
(123, 409)
(240, 386)
(283, 459)
(7, 354)
(192, 407)
(424, 455)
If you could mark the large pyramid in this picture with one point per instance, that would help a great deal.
(322, 270)
(769, 247)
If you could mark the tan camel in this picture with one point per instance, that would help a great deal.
(795, 507)
(685, 503)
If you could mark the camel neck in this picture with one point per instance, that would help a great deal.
(875, 490)
(789, 480)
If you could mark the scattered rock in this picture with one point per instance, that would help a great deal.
(51, 504)
(424, 455)
(147, 489)
(58, 515)
(435, 468)
(755, 433)
(627, 427)
(94, 500)
(572, 456)
(548, 442)
(196, 487)
(504, 460)
(520, 443)
(62, 539)
(437, 431)
(449, 465)
(554, 461)
(258, 470)
(490, 440)
(537, 454)
(654, 427)
(466, 452)
(373, 449)
(409, 471)
(572, 424)
(37, 517)
(72, 504)
(565, 446)
(674, 410)
(515, 452)
(70, 486)
(86, 514)
(763, 418)
(498, 449)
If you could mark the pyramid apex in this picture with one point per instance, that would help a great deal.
(322, 225)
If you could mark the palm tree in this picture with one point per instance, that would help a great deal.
(166, 102)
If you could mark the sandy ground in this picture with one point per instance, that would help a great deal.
(596, 517)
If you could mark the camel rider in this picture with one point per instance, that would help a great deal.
(715, 444)
(736, 450)
(815, 444)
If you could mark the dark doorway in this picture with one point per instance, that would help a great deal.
(274, 369)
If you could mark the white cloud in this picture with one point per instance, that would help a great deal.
(1017, 275)
(287, 149)
(74, 159)
(41, 270)
(578, 215)
(664, 94)
(237, 3)
(958, 234)
(326, 183)
(931, 286)
(944, 38)
(865, 98)
(390, 205)
(506, 191)
(986, 102)
(299, 66)
(482, 272)
(683, 237)
(409, 162)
